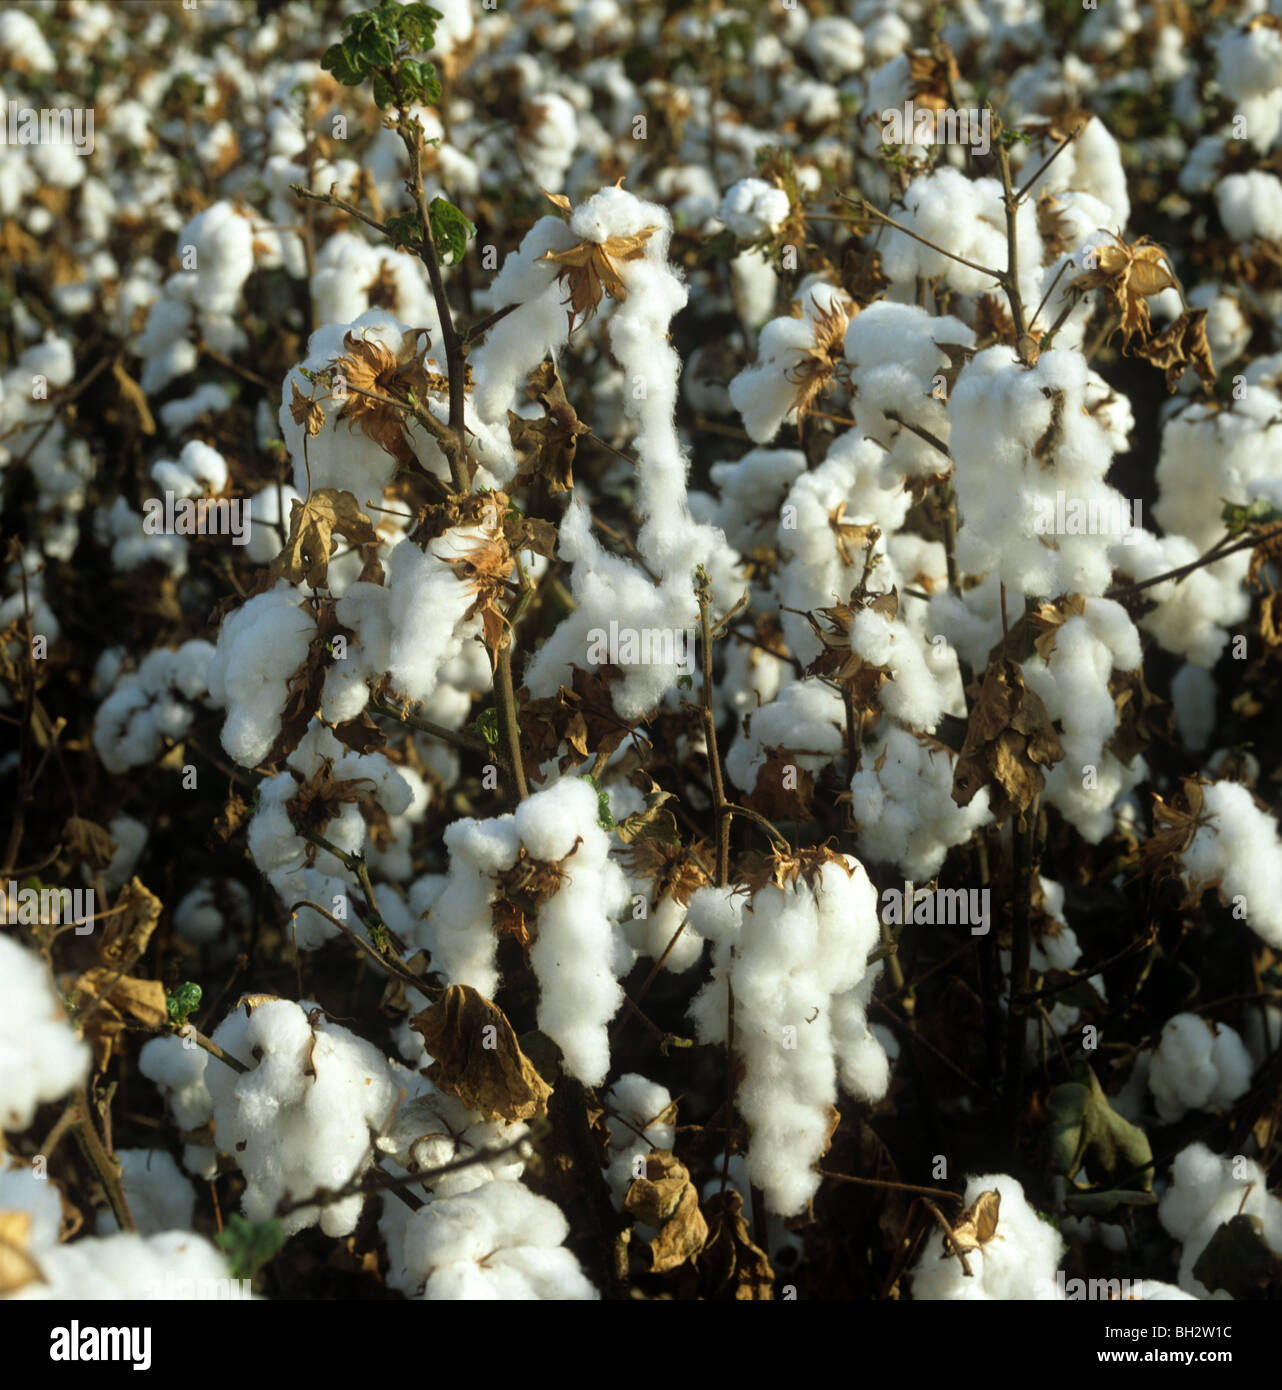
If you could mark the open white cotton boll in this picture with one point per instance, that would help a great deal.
(260, 646)
(754, 209)
(42, 1057)
(902, 798)
(1239, 851)
(1205, 1191)
(1019, 1262)
(303, 1116)
(1199, 1065)
(498, 1241)
(159, 1197)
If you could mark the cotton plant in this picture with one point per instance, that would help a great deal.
(907, 438)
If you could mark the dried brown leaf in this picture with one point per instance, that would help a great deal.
(477, 1057)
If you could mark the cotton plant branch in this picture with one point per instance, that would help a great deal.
(866, 209)
(386, 961)
(1023, 870)
(104, 1164)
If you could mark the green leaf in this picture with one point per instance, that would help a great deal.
(1084, 1124)
(404, 229)
(248, 1245)
(418, 26)
(1257, 513)
(420, 81)
(374, 50)
(383, 94)
(183, 1001)
(486, 726)
(450, 229)
(339, 61)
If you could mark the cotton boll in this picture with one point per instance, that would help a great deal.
(144, 708)
(1207, 1191)
(1011, 489)
(639, 1129)
(765, 393)
(199, 471)
(967, 216)
(340, 456)
(1238, 850)
(836, 46)
(179, 1072)
(808, 714)
(130, 836)
(42, 1057)
(815, 573)
(1198, 1066)
(1193, 693)
(260, 646)
(302, 1117)
(159, 1197)
(1073, 685)
(754, 209)
(1192, 618)
(212, 909)
(166, 1265)
(1250, 205)
(752, 489)
(653, 934)
(902, 798)
(499, 1241)
(754, 286)
(895, 362)
(1248, 63)
(1211, 455)
(1019, 1262)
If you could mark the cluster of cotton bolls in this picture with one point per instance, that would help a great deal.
(150, 705)
(797, 961)
(303, 1116)
(580, 951)
(164, 1259)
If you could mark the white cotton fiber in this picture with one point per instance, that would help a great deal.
(1019, 1262)
(1238, 852)
(42, 1057)
(1199, 1065)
